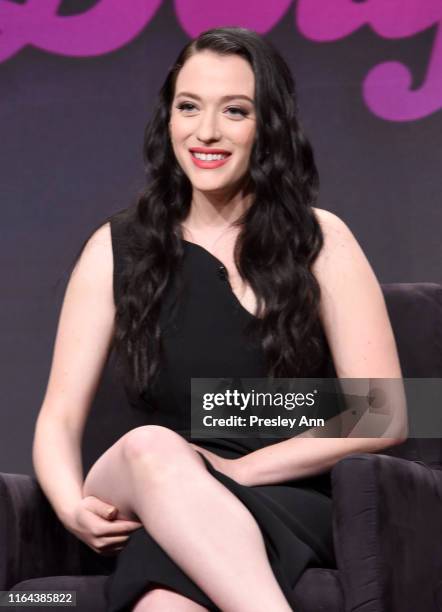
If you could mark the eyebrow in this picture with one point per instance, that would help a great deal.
(223, 98)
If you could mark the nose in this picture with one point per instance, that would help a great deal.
(208, 128)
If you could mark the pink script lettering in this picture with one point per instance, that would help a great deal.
(111, 24)
(387, 87)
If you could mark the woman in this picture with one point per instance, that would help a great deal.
(224, 267)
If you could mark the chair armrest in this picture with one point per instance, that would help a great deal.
(387, 527)
(33, 542)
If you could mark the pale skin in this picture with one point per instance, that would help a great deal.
(152, 477)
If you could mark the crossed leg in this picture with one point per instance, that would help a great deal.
(152, 474)
(165, 600)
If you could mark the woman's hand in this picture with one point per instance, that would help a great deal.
(230, 467)
(95, 523)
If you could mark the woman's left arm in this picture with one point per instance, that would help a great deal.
(355, 320)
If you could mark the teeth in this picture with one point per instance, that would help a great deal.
(209, 156)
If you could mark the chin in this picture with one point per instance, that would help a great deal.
(210, 186)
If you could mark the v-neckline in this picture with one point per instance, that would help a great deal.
(221, 265)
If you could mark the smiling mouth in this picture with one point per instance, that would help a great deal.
(209, 156)
(209, 161)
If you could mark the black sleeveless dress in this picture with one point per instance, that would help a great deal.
(206, 340)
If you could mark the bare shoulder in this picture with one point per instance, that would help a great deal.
(85, 331)
(101, 239)
(333, 227)
(343, 271)
(102, 235)
(96, 259)
(340, 252)
(352, 306)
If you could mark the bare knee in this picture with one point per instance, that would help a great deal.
(107, 472)
(149, 439)
(164, 600)
(159, 450)
(158, 446)
(108, 480)
(109, 477)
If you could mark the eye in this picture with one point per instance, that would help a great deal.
(239, 111)
(184, 106)
(235, 110)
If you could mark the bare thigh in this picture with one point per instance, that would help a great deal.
(109, 478)
(163, 600)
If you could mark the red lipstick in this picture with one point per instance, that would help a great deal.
(200, 163)
(209, 150)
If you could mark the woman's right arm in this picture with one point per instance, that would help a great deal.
(82, 344)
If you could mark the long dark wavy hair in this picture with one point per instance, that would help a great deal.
(279, 236)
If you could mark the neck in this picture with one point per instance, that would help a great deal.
(211, 212)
